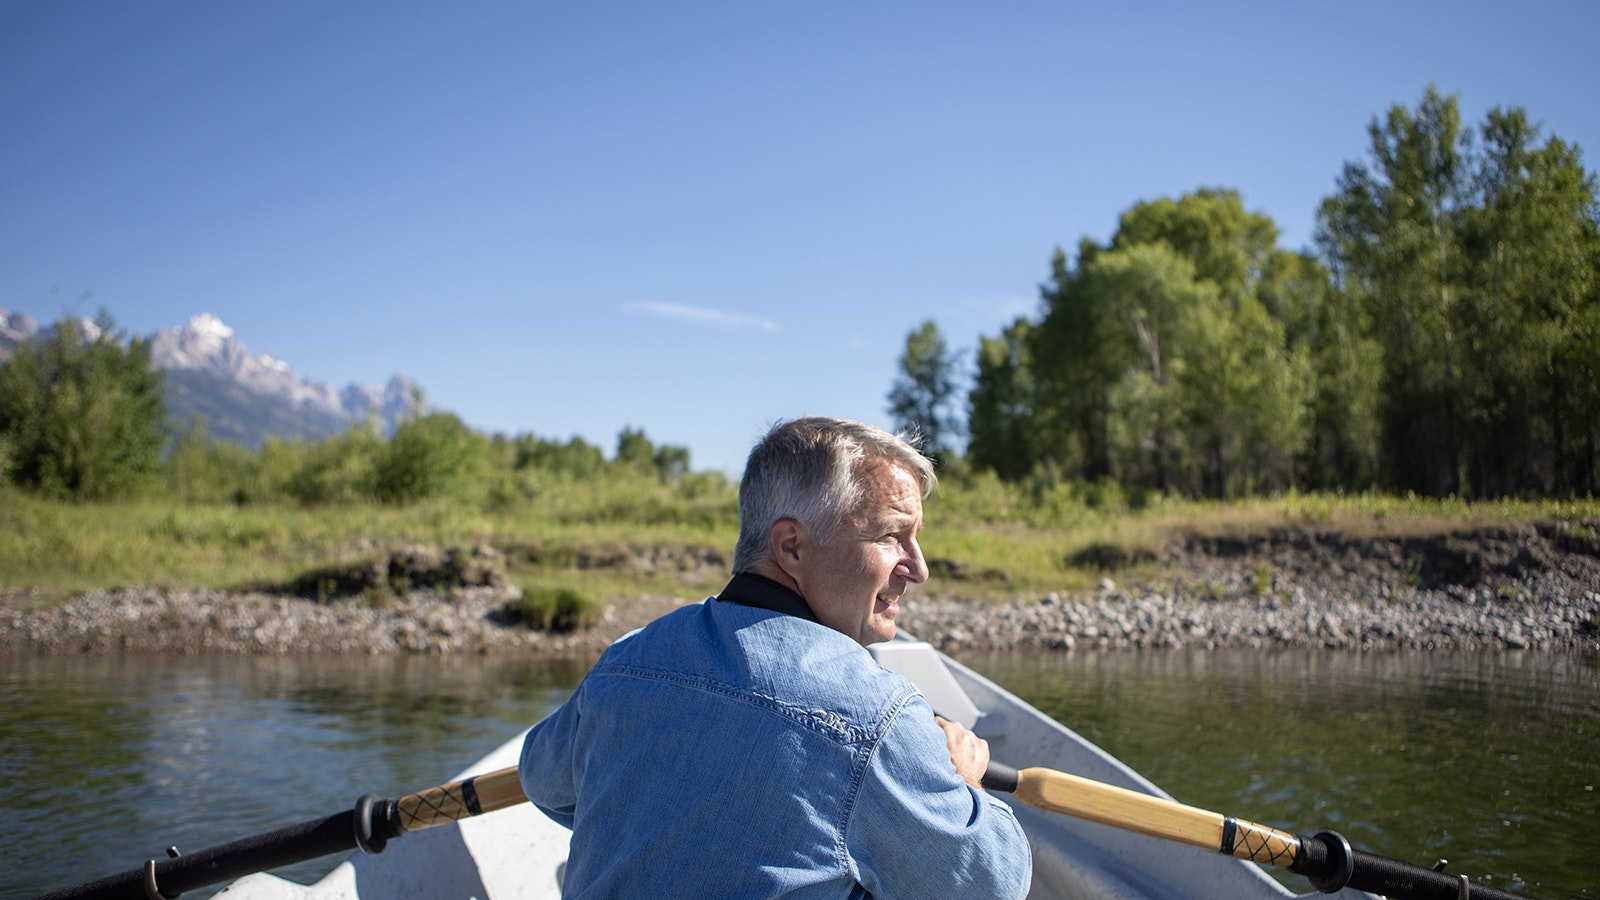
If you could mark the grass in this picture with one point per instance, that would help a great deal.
(994, 541)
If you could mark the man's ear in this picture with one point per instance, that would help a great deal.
(788, 542)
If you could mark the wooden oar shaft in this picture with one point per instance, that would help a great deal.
(1155, 816)
(459, 800)
(1326, 858)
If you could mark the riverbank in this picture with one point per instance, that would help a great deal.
(1531, 586)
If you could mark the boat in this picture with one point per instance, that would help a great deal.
(516, 853)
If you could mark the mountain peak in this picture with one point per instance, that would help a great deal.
(208, 327)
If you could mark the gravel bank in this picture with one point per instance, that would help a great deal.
(1525, 587)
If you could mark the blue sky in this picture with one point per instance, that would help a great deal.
(691, 218)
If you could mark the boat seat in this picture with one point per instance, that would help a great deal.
(919, 662)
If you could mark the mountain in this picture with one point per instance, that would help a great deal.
(211, 375)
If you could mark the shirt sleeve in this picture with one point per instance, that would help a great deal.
(918, 830)
(545, 768)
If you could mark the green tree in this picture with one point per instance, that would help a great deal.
(340, 469)
(635, 450)
(199, 469)
(1471, 266)
(1001, 406)
(921, 400)
(1531, 246)
(1177, 357)
(82, 412)
(428, 456)
(1392, 236)
(576, 457)
(1227, 245)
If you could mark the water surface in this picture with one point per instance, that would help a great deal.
(1490, 760)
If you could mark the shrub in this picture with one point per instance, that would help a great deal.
(552, 609)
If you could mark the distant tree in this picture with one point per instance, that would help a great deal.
(1001, 405)
(201, 469)
(428, 456)
(576, 457)
(635, 450)
(82, 412)
(922, 397)
(340, 469)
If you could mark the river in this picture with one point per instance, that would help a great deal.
(1491, 760)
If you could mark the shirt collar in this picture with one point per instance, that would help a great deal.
(761, 592)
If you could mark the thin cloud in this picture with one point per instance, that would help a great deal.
(699, 315)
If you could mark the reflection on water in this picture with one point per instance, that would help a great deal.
(1488, 760)
(106, 762)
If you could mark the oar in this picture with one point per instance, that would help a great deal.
(371, 824)
(1326, 858)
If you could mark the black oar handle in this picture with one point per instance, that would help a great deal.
(369, 826)
(257, 853)
(1329, 862)
(1000, 777)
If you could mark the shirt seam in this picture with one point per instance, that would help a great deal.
(858, 780)
(821, 721)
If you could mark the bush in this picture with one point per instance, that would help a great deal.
(81, 413)
(428, 456)
(552, 609)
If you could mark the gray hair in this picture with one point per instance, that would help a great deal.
(810, 470)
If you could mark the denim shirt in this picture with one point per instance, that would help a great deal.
(728, 750)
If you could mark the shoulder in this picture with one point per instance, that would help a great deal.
(789, 660)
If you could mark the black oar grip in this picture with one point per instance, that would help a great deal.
(1000, 777)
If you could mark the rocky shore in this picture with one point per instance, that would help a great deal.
(1532, 586)
(1529, 587)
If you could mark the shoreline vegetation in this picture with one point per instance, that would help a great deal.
(1086, 572)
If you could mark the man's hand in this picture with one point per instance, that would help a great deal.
(969, 752)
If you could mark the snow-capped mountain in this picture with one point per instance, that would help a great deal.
(212, 376)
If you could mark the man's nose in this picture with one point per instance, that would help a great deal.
(914, 568)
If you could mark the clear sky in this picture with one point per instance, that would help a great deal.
(691, 218)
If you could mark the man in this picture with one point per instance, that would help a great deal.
(749, 746)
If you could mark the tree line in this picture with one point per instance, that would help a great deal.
(1443, 337)
(82, 416)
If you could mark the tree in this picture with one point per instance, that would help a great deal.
(1001, 406)
(1531, 244)
(922, 396)
(1227, 245)
(1165, 360)
(1471, 267)
(428, 456)
(1392, 233)
(82, 412)
(634, 449)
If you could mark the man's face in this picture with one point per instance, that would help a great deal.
(854, 581)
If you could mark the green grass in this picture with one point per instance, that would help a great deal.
(996, 540)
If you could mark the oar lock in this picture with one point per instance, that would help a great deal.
(1466, 888)
(152, 891)
(373, 815)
